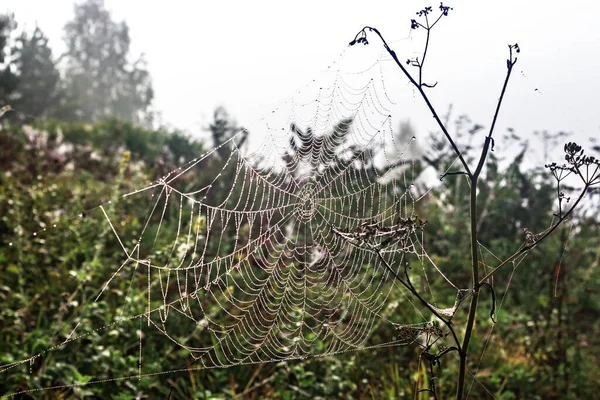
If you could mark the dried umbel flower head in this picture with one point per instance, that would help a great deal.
(445, 9)
(414, 24)
(407, 333)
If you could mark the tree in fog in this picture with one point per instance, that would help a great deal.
(8, 78)
(101, 81)
(222, 128)
(38, 80)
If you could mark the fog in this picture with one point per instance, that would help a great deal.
(249, 57)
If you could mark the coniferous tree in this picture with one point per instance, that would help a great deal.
(8, 78)
(38, 79)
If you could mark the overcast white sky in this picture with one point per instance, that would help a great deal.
(248, 56)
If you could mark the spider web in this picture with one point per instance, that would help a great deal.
(273, 246)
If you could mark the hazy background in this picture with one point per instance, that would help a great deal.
(248, 56)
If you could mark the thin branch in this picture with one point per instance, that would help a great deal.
(462, 368)
(420, 89)
(427, 85)
(424, 52)
(436, 21)
(509, 64)
(493, 310)
(474, 240)
(411, 288)
(526, 248)
(448, 350)
(445, 174)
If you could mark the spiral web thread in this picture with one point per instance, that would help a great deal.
(269, 246)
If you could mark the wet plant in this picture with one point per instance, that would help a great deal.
(585, 168)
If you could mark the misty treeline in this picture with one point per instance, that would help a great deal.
(95, 78)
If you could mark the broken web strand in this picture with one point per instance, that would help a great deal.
(272, 249)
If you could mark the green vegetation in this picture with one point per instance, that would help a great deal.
(544, 344)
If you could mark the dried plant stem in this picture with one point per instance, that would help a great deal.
(574, 157)
(473, 178)
(475, 297)
(408, 285)
(419, 87)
